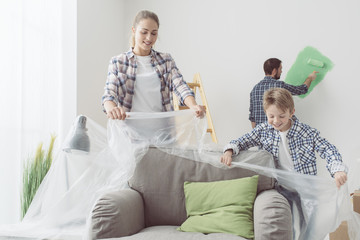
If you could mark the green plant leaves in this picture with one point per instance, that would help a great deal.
(34, 171)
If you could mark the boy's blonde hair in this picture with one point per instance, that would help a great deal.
(144, 14)
(279, 97)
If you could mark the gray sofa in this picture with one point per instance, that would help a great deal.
(154, 205)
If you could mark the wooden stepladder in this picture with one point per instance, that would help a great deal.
(197, 83)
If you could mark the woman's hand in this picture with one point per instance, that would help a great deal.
(226, 158)
(199, 110)
(113, 111)
(116, 113)
(191, 103)
(340, 178)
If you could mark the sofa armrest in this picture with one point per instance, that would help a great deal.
(117, 214)
(272, 216)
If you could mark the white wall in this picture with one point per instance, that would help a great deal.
(68, 71)
(99, 37)
(10, 141)
(227, 42)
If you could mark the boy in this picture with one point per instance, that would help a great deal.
(292, 143)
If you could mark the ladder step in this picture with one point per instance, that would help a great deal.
(193, 85)
(185, 107)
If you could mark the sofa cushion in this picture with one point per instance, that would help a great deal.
(170, 233)
(272, 216)
(221, 206)
(119, 213)
(159, 177)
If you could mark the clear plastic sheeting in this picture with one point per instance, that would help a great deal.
(77, 178)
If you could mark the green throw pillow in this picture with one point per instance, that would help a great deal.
(221, 206)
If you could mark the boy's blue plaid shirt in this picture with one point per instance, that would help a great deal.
(304, 141)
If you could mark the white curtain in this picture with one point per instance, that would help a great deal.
(30, 89)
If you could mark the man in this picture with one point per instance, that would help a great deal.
(273, 70)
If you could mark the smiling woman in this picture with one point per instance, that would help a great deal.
(145, 30)
(142, 79)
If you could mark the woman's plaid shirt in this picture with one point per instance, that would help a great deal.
(121, 79)
(304, 141)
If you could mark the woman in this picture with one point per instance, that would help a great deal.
(142, 79)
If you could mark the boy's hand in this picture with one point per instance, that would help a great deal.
(340, 178)
(226, 158)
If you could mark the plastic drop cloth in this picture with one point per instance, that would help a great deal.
(62, 206)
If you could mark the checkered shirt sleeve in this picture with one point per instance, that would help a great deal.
(305, 143)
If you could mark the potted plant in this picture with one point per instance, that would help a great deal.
(34, 171)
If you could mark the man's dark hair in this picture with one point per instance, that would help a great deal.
(270, 64)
